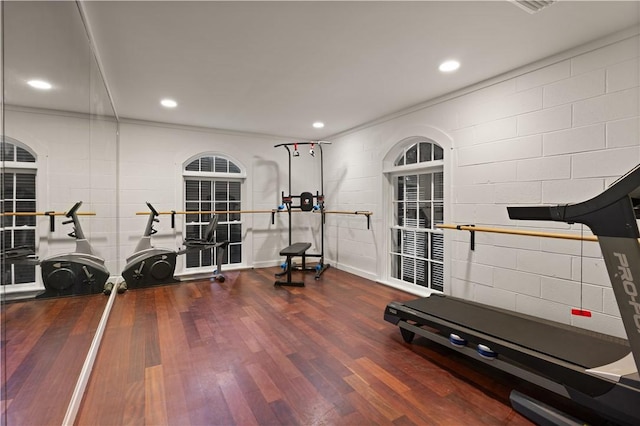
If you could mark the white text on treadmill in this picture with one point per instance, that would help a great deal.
(629, 286)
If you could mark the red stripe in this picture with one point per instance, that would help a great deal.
(581, 313)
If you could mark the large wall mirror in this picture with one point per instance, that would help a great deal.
(59, 147)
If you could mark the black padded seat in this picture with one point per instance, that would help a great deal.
(295, 249)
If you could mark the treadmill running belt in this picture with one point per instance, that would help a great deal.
(581, 347)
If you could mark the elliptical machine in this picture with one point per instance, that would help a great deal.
(149, 266)
(76, 273)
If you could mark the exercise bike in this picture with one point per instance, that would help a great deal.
(149, 265)
(76, 273)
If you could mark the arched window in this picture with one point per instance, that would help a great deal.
(213, 182)
(18, 195)
(417, 246)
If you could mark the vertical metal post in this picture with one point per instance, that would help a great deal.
(289, 204)
(321, 205)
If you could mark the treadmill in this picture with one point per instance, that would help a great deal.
(595, 370)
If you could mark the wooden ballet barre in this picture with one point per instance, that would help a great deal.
(52, 215)
(473, 229)
(173, 213)
(45, 214)
(272, 211)
(357, 212)
(365, 213)
(209, 212)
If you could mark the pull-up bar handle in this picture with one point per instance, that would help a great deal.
(303, 143)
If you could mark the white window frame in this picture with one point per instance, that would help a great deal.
(428, 168)
(397, 142)
(213, 176)
(16, 291)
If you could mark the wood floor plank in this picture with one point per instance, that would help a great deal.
(283, 413)
(176, 403)
(234, 397)
(155, 396)
(134, 408)
(366, 410)
(384, 376)
(269, 390)
(375, 399)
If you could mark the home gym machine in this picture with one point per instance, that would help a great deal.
(149, 265)
(306, 204)
(80, 272)
(594, 370)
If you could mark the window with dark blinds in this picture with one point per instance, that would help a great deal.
(213, 164)
(213, 188)
(417, 246)
(18, 196)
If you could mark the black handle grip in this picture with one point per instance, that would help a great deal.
(75, 208)
(154, 211)
(531, 213)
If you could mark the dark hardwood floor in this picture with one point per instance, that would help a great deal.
(241, 352)
(44, 344)
(245, 352)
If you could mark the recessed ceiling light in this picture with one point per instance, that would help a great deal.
(168, 103)
(318, 125)
(449, 66)
(39, 84)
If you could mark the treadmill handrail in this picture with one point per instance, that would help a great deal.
(607, 214)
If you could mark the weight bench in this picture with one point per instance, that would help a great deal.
(296, 249)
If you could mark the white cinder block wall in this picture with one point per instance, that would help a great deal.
(556, 132)
(76, 161)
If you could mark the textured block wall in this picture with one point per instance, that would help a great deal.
(76, 161)
(151, 163)
(554, 132)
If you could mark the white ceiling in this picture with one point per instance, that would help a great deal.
(276, 67)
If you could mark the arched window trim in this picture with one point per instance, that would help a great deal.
(19, 164)
(241, 175)
(401, 147)
(416, 143)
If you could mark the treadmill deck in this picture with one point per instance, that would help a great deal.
(577, 346)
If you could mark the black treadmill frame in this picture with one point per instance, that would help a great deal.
(612, 217)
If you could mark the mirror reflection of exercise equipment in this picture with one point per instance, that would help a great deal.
(76, 273)
(307, 202)
(595, 370)
(80, 272)
(149, 265)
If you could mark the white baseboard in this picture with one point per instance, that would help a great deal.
(355, 271)
(408, 288)
(267, 263)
